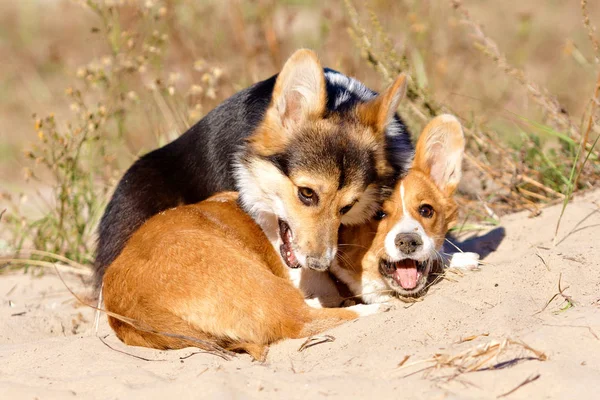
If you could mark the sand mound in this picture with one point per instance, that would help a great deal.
(465, 340)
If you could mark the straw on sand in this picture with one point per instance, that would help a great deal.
(495, 354)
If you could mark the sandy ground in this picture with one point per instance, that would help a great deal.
(48, 348)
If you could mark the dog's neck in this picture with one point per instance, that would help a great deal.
(354, 249)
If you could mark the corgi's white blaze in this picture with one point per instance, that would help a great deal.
(408, 225)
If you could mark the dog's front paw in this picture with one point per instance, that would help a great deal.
(348, 303)
(364, 310)
(467, 260)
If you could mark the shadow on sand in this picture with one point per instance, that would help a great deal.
(483, 245)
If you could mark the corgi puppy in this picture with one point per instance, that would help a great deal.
(207, 271)
(396, 251)
(308, 149)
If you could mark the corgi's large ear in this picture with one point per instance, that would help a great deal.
(380, 111)
(300, 92)
(440, 151)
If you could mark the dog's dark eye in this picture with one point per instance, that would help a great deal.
(345, 209)
(426, 211)
(379, 215)
(307, 196)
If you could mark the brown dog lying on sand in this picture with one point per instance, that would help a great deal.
(208, 271)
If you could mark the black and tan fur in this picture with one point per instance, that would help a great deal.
(304, 128)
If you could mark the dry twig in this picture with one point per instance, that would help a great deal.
(532, 378)
(561, 290)
(478, 358)
(315, 340)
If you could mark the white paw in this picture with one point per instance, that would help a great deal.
(369, 309)
(314, 303)
(468, 261)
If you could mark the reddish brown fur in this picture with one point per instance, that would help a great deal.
(361, 247)
(267, 138)
(207, 271)
(420, 189)
(366, 241)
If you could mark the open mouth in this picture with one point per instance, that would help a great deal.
(410, 275)
(286, 250)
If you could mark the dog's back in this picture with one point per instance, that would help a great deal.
(188, 170)
(207, 271)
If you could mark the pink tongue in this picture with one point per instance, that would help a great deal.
(406, 274)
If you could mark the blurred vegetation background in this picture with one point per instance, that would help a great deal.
(86, 86)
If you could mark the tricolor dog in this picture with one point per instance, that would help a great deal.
(308, 149)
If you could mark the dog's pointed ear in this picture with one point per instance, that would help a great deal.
(300, 93)
(380, 111)
(440, 151)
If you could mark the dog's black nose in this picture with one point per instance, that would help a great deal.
(317, 264)
(408, 243)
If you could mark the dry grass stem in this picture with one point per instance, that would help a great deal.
(591, 30)
(495, 354)
(472, 337)
(532, 378)
(555, 111)
(315, 340)
(4, 262)
(403, 361)
(561, 292)
(537, 253)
